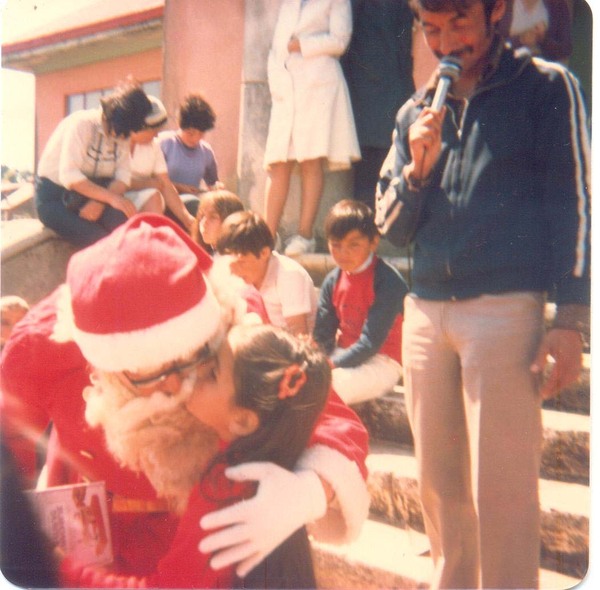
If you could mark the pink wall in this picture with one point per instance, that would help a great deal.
(52, 89)
(203, 42)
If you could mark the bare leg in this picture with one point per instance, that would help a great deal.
(155, 204)
(312, 188)
(278, 186)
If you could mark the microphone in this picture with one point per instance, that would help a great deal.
(448, 71)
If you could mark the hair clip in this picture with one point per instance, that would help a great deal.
(294, 377)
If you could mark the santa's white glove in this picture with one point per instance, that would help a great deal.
(284, 502)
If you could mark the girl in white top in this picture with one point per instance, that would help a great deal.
(151, 188)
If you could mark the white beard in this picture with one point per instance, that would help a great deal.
(155, 435)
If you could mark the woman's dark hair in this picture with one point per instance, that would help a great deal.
(196, 113)
(126, 109)
(451, 5)
(348, 215)
(244, 232)
(262, 354)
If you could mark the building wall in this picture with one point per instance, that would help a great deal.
(51, 90)
(203, 52)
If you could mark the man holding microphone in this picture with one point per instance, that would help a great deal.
(492, 186)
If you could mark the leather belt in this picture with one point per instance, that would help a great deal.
(123, 504)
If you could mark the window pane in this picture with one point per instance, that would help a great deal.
(75, 102)
(92, 99)
(152, 88)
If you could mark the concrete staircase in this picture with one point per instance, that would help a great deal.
(393, 551)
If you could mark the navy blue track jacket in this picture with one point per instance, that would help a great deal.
(507, 206)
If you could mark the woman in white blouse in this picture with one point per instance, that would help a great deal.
(85, 169)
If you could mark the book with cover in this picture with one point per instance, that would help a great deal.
(75, 517)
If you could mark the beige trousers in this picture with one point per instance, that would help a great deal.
(475, 412)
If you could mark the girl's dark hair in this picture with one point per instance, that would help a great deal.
(126, 109)
(451, 5)
(196, 113)
(348, 215)
(261, 356)
(224, 202)
(244, 232)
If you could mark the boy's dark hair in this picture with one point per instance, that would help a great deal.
(244, 232)
(451, 5)
(125, 110)
(196, 113)
(348, 215)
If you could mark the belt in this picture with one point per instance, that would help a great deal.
(123, 504)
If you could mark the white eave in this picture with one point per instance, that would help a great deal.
(85, 49)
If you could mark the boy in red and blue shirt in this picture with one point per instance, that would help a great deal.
(359, 316)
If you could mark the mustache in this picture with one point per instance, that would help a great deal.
(459, 54)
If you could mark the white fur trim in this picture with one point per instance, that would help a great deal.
(154, 346)
(64, 327)
(345, 478)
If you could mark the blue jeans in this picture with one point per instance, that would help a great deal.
(68, 224)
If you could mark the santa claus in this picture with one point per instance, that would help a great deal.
(111, 358)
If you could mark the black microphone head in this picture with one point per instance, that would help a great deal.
(450, 67)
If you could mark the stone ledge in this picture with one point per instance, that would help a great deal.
(34, 259)
(18, 202)
(18, 235)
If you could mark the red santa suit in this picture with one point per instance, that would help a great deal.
(42, 383)
(183, 566)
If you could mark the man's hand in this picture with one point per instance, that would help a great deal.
(566, 347)
(425, 141)
(284, 502)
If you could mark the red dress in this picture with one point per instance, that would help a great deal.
(42, 382)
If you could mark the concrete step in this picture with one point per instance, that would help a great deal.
(565, 507)
(34, 259)
(386, 557)
(566, 444)
(576, 397)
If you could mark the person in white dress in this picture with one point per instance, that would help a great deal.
(311, 119)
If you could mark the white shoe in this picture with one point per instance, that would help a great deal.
(298, 245)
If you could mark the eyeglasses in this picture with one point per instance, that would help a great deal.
(202, 356)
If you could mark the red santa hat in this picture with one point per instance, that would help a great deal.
(138, 299)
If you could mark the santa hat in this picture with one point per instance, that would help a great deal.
(138, 298)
